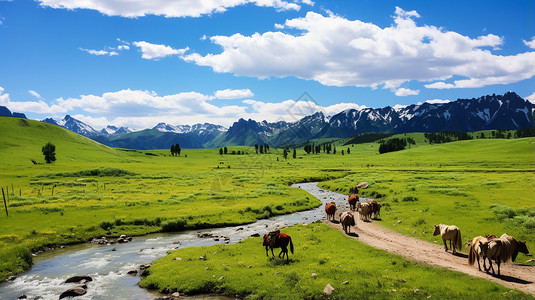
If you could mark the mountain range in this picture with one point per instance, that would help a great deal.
(508, 111)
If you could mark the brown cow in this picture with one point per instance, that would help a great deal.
(347, 220)
(375, 209)
(364, 210)
(353, 199)
(330, 209)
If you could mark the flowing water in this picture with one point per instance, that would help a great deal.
(108, 264)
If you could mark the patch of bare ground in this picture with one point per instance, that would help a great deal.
(513, 276)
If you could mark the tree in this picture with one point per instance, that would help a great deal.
(295, 154)
(342, 151)
(49, 151)
(261, 149)
(220, 151)
(173, 150)
(285, 153)
(334, 150)
(177, 149)
(348, 151)
(256, 148)
(225, 150)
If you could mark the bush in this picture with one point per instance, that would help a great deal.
(174, 225)
(409, 199)
(106, 225)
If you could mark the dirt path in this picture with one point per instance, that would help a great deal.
(513, 276)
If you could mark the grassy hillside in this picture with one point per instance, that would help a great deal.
(483, 186)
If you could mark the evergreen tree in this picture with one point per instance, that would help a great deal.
(49, 151)
(256, 148)
(261, 149)
(173, 150)
(220, 151)
(342, 151)
(225, 150)
(177, 149)
(295, 154)
(348, 151)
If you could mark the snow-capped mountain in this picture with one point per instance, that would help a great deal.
(508, 111)
(199, 128)
(110, 129)
(73, 125)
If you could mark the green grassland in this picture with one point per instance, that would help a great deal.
(355, 270)
(482, 186)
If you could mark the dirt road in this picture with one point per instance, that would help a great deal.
(513, 276)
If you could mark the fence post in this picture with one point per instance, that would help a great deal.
(5, 205)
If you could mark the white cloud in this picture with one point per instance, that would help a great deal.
(437, 101)
(40, 106)
(233, 94)
(167, 8)
(531, 43)
(531, 98)
(292, 110)
(406, 92)
(100, 52)
(35, 94)
(156, 51)
(336, 51)
(123, 47)
(144, 109)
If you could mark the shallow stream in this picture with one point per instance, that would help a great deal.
(108, 264)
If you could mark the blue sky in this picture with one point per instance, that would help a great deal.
(136, 63)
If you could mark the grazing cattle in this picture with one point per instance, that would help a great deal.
(375, 209)
(278, 240)
(330, 209)
(490, 236)
(353, 199)
(347, 219)
(502, 249)
(364, 210)
(451, 233)
(354, 190)
(475, 251)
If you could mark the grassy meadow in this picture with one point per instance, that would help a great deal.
(355, 271)
(482, 186)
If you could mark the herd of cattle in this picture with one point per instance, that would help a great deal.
(489, 248)
(367, 210)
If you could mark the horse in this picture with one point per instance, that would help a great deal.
(503, 249)
(364, 210)
(280, 240)
(330, 209)
(353, 199)
(451, 233)
(475, 251)
(347, 219)
(375, 209)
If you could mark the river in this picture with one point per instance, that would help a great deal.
(108, 264)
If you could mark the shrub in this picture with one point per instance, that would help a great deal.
(106, 225)
(409, 199)
(174, 225)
